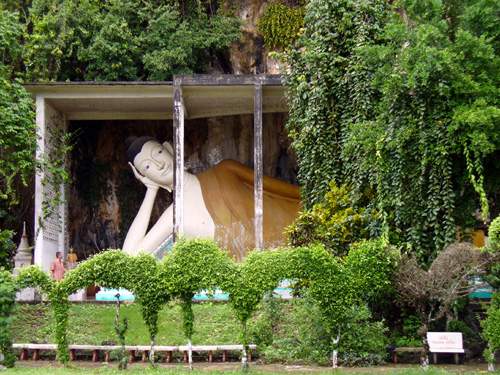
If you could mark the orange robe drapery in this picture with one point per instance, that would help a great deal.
(229, 197)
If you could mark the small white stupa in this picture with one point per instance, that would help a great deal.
(23, 259)
(23, 256)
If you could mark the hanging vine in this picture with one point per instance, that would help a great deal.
(281, 25)
(400, 102)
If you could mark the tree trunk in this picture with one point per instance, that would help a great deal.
(335, 353)
(190, 354)
(244, 359)
(152, 352)
(424, 360)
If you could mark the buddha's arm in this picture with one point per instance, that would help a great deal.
(159, 232)
(137, 230)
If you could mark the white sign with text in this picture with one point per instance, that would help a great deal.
(445, 342)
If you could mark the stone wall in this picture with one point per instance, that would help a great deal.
(105, 195)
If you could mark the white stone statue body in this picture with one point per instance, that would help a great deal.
(152, 164)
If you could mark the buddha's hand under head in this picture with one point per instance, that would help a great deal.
(150, 184)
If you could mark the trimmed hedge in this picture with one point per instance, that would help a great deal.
(336, 284)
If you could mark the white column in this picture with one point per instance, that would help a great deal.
(49, 230)
(178, 161)
(258, 168)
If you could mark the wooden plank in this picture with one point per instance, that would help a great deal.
(408, 349)
(178, 161)
(163, 348)
(35, 346)
(258, 169)
(229, 79)
(235, 347)
(198, 348)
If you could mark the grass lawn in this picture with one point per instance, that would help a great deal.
(94, 324)
(234, 370)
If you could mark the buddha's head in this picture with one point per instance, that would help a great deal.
(152, 159)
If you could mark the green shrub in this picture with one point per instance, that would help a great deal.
(493, 247)
(494, 235)
(280, 25)
(334, 284)
(459, 326)
(302, 337)
(491, 328)
(7, 301)
(364, 342)
(372, 264)
(262, 329)
(335, 223)
(409, 335)
(7, 248)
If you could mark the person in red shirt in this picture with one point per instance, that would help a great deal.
(57, 269)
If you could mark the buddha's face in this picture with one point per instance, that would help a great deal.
(155, 162)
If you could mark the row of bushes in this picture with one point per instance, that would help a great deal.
(334, 284)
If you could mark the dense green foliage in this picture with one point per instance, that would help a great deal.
(17, 133)
(334, 222)
(88, 40)
(122, 40)
(7, 296)
(280, 25)
(115, 269)
(319, 89)
(494, 235)
(401, 103)
(18, 139)
(493, 247)
(191, 267)
(294, 332)
(335, 284)
(491, 328)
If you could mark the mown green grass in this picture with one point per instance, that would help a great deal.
(94, 324)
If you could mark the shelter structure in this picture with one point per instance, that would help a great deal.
(186, 97)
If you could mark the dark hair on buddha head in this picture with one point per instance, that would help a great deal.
(134, 145)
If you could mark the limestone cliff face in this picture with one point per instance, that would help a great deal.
(105, 196)
(249, 55)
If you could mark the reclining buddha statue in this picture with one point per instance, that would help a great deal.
(218, 203)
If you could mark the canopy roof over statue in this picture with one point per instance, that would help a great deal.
(154, 100)
(186, 97)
